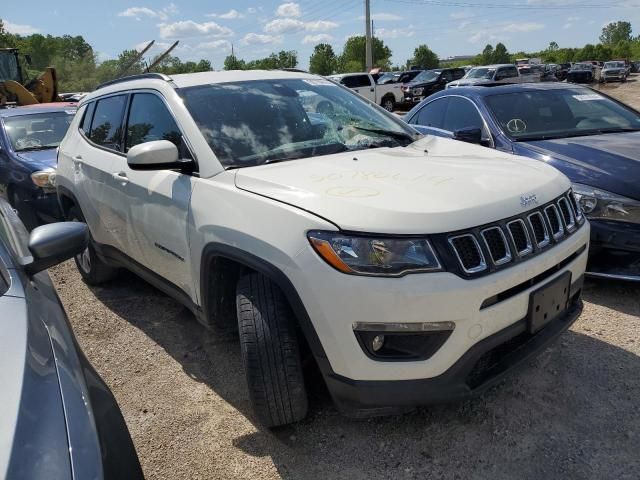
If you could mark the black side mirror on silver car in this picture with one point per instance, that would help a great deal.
(52, 244)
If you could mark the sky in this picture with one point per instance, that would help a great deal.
(208, 29)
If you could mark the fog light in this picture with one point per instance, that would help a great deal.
(377, 343)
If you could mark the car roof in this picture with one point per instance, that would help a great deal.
(496, 89)
(37, 108)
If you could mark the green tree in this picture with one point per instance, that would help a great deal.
(622, 49)
(352, 58)
(425, 57)
(500, 54)
(615, 32)
(323, 60)
(231, 62)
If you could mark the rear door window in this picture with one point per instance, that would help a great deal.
(356, 81)
(106, 128)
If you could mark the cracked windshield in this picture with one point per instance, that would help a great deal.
(258, 122)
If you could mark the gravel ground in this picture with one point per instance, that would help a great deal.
(573, 413)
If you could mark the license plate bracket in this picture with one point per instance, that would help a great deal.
(548, 302)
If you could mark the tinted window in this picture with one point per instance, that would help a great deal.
(461, 113)
(458, 73)
(356, 81)
(150, 120)
(106, 128)
(86, 120)
(447, 75)
(253, 122)
(432, 114)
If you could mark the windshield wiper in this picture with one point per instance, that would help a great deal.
(583, 133)
(36, 148)
(384, 131)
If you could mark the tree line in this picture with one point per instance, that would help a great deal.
(76, 63)
(78, 68)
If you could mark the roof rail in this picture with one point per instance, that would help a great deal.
(157, 76)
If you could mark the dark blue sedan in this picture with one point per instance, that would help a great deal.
(590, 137)
(29, 137)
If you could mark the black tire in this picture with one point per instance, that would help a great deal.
(388, 103)
(25, 211)
(93, 270)
(270, 352)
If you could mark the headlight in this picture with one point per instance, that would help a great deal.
(45, 178)
(417, 91)
(602, 205)
(368, 255)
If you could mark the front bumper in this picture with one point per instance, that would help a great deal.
(479, 307)
(615, 250)
(45, 206)
(481, 367)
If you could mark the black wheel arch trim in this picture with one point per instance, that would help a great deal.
(63, 192)
(276, 275)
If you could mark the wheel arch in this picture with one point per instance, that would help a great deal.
(66, 200)
(232, 263)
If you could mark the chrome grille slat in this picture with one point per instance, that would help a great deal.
(554, 218)
(495, 246)
(528, 247)
(468, 265)
(567, 211)
(545, 240)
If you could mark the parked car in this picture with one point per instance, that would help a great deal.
(429, 82)
(581, 73)
(397, 77)
(59, 419)
(489, 74)
(29, 137)
(387, 96)
(325, 233)
(614, 71)
(563, 70)
(591, 138)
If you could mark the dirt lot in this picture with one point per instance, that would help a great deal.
(573, 413)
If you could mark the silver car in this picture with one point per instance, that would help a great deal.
(613, 71)
(59, 419)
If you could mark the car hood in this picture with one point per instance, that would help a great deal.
(610, 162)
(434, 185)
(40, 159)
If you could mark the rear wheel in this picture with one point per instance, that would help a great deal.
(93, 270)
(270, 352)
(388, 104)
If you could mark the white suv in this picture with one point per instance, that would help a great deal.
(412, 269)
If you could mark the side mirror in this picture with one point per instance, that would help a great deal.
(469, 135)
(54, 243)
(156, 155)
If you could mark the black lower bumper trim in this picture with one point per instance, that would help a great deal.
(481, 367)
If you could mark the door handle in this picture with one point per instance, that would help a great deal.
(372, 90)
(120, 177)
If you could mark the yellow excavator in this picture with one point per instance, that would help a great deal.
(16, 90)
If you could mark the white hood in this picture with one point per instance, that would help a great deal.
(435, 185)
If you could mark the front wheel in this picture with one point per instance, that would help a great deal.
(93, 270)
(270, 352)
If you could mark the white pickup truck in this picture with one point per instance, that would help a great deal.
(365, 85)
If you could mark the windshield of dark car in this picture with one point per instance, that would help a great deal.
(38, 131)
(582, 66)
(388, 78)
(262, 121)
(559, 113)
(427, 76)
(481, 73)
